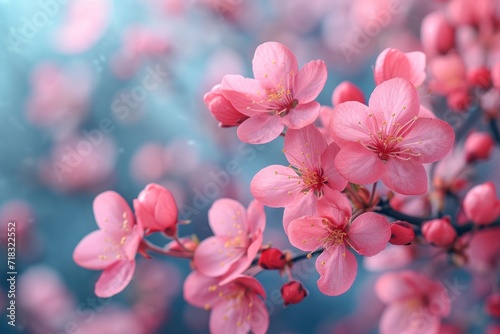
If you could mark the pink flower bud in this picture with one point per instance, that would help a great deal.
(347, 91)
(293, 292)
(478, 146)
(272, 258)
(156, 209)
(437, 34)
(495, 75)
(222, 109)
(459, 100)
(493, 305)
(401, 233)
(479, 77)
(481, 204)
(439, 232)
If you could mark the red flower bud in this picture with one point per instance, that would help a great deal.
(478, 146)
(347, 91)
(272, 258)
(293, 292)
(493, 305)
(401, 233)
(479, 77)
(156, 209)
(439, 232)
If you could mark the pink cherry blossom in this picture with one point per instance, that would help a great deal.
(481, 204)
(156, 209)
(236, 306)
(237, 239)
(279, 96)
(333, 230)
(113, 247)
(387, 140)
(392, 63)
(311, 173)
(416, 303)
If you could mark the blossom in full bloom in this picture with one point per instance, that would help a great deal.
(235, 306)
(113, 247)
(156, 209)
(416, 303)
(237, 239)
(279, 96)
(387, 139)
(301, 185)
(392, 63)
(333, 231)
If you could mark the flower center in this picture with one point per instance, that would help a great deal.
(388, 141)
(312, 180)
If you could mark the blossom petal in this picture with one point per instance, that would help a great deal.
(251, 283)
(202, 291)
(276, 186)
(407, 177)
(302, 115)
(369, 234)
(260, 129)
(114, 279)
(425, 112)
(310, 81)
(393, 287)
(307, 234)
(215, 256)
(348, 123)
(256, 217)
(394, 101)
(303, 147)
(273, 65)
(359, 165)
(335, 180)
(336, 207)
(431, 137)
(259, 317)
(417, 62)
(306, 205)
(112, 213)
(337, 268)
(230, 316)
(245, 261)
(391, 63)
(93, 251)
(246, 95)
(400, 318)
(227, 218)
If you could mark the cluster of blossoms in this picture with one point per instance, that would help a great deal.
(332, 208)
